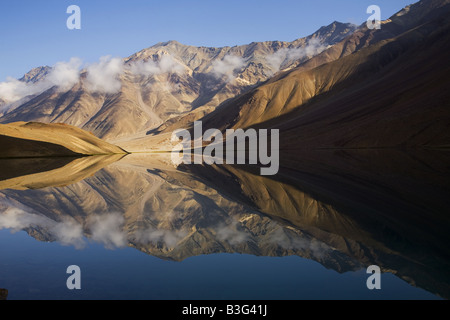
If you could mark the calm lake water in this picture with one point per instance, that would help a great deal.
(139, 228)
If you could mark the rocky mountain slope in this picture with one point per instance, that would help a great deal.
(390, 91)
(33, 139)
(352, 95)
(158, 84)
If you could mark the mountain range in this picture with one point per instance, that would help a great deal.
(159, 84)
(375, 89)
(342, 87)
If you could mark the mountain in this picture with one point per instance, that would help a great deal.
(313, 89)
(161, 83)
(36, 74)
(32, 139)
(376, 88)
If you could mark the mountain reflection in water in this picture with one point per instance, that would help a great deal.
(344, 209)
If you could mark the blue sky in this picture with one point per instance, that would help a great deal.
(34, 32)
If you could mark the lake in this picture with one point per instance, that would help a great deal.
(140, 228)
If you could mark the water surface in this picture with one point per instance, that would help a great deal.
(139, 228)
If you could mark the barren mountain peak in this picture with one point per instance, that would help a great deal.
(36, 74)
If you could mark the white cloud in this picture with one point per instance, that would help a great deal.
(293, 241)
(166, 64)
(104, 76)
(231, 233)
(227, 67)
(169, 64)
(13, 90)
(108, 230)
(66, 232)
(153, 235)
(69, 232)
(285, 56)
(63, 75)
(17, 219)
